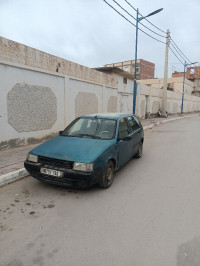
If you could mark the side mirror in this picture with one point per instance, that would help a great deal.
(124, 138)
(60, 133)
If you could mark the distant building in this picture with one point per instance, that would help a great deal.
(192, 73)
(145, 69)
(173, 84)
(117, 72)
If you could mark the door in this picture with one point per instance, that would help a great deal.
(135, 134)
(124, 145)
(124, 104)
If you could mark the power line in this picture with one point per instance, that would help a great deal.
(176, 56)
(173, 44)
(132, 22)
(139, 22)
(183, 56)
(145, 18)
(180, 50)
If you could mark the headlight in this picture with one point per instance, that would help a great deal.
(32, 158)
(84, 167)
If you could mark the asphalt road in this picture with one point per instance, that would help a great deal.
(149, 217)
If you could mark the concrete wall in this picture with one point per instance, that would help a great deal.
(35, 103)
(38, 99)
(175, 84)
(149, 101)
(31, 103)
(18, 53)
(196, 91)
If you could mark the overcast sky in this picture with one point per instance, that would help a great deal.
(90, 33)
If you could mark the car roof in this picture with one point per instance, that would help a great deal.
(108, 115)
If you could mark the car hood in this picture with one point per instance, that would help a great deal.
(84, 150)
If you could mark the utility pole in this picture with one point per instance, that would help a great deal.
(135, 73)
(164, 97)
(138, 19)
(185, 65)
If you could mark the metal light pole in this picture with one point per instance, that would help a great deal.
(136, 43)
(185, 65)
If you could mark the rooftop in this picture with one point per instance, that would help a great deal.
(107, 115)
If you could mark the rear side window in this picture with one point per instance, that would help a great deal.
(133, 123)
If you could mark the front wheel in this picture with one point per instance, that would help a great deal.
(139, 152)
(107, 177)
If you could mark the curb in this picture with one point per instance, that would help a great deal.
(21, 173)
(167, 120)
(13, 176)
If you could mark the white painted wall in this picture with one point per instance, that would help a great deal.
(68, 91)
(9, 77)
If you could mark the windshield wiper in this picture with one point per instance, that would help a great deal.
(85, 135)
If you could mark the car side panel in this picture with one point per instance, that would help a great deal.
(136, 139)
(111, 153)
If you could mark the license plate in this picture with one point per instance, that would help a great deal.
(52, 172)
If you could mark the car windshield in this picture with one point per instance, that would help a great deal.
(98, 128)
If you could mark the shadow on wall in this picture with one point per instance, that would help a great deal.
(13, 143)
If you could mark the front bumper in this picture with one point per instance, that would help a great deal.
(71, 178)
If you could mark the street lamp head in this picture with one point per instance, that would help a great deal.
(190, 64)
(155, 12)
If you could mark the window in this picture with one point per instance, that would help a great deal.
(134, 125)
(99, 128)
(137, 69)
(126, 68)
(191, 71)
(123, 128)
(125, 80)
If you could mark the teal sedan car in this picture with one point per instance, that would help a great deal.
(88, 151)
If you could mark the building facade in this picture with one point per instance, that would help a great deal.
(191, 73)
(145, 69)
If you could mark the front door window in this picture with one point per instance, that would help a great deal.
(123, 128)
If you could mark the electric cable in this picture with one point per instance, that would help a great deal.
(145, 18)
(132, 22)
(176, 56)
(135, 19)
(174, 47)
(180, 50)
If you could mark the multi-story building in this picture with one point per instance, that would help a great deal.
(145, 69)
(192, 73)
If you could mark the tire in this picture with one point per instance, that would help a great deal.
(107, 177)
(139, 152)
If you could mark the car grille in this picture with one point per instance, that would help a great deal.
(56, 162)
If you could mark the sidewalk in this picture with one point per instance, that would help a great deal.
(12, 160)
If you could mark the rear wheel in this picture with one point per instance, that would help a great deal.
(139, 152)
(107, 176)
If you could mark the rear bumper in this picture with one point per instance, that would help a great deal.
(71, 178)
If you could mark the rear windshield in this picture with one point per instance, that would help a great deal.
(98, 128)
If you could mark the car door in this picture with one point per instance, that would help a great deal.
(124, 145)
(135, 134)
